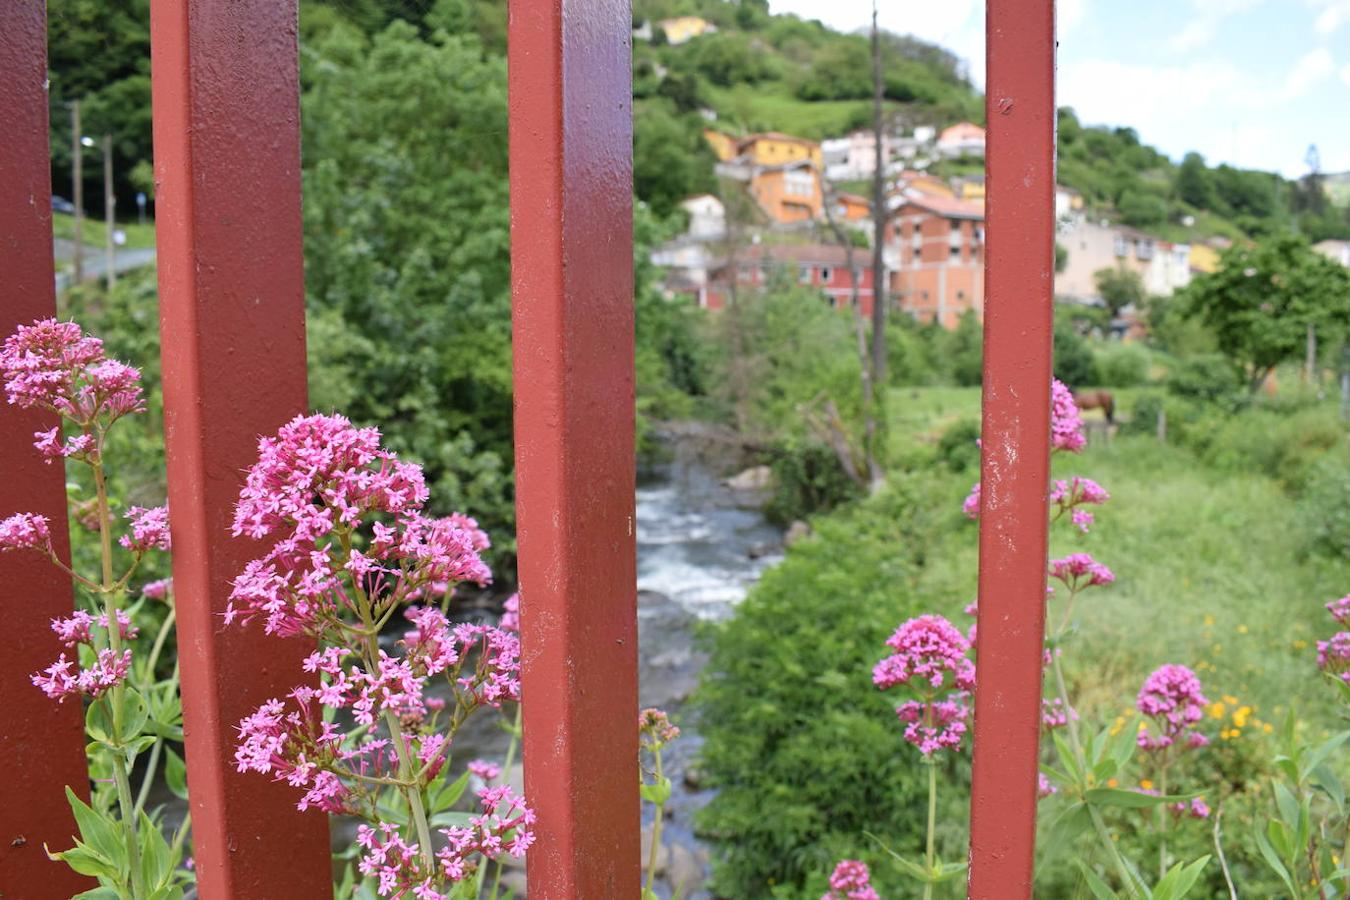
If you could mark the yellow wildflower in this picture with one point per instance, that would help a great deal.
(1217, 710)
(1146, 784)
(1209, 620)
(1242, 629)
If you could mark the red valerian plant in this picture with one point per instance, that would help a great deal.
(373, 739)
(53, 366)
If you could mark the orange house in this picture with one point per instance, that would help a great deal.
(724, 145)
(788, 193)
(938, 246)
(851, 207)
(913, 183)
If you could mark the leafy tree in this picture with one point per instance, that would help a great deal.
(1061, 257)
(671, 160)
(1073, 356)
(1119, 287)
(1262, 299)
(1141, 207)
(1193, 183)
(407, 243)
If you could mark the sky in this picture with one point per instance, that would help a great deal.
(1249, 82)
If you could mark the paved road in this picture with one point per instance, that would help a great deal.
(124, 261)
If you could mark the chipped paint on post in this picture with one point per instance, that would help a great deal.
(1019, 271)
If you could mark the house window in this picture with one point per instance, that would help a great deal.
(804, 275)
(956, 251)
(798, 184)
(918, 254)
(834, 302)
(825, 273)
(1122, 247)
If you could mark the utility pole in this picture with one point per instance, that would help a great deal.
(109, 206)
(77, 187)
(878, 216)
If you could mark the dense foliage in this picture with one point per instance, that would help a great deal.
(802, 748)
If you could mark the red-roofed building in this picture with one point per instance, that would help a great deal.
(822, 266)
(936, 247)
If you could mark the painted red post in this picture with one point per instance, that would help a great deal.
(41, 741)
(1015, 468)
(572, 287)
(232, 320)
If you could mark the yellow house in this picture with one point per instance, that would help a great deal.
(972, 190)
(1203, 258)
(724, 145)
(685, 28)
(775, 149)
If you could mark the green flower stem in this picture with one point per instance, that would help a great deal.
(656, 824)
(411, 791)
(507, 763)
(1162, 823)
(111, 592)
(931, 857)
(1098, 824)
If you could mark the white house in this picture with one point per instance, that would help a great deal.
(853, 157)
(1337, 250)
(707, 217)
(961, 139)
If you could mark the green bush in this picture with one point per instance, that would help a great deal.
(1285, 447)
(807, 480)
(803, 750)
(1324, 509)
(1208, 376)
(1073, 356)
(1121, 365)
(957, 448)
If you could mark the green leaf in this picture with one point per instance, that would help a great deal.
(447, 794)
(1099, 888)
(1123, 745)
(98, 893)
(158, 860)
(175, 774)
(98, 721)
(1273, 861)
(1131, 799)
(87, 861)
(1066, 758)
(137, 746)
(948, 871)
(134, 715)
(1330, 784)
(1073, 821)
(1179, 880)
(657, 793)
(1287, 804)
(1281, 837)
(100, 833)
(1324, 750)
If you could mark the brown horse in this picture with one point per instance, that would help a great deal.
(1097, 400)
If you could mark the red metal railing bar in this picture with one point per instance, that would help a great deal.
(232, 321)
(41, 742)
(1015, 469)
(572, 287)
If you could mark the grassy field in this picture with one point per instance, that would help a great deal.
(63, 226)
(1210, 565)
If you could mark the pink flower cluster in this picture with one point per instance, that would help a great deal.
(1173, 698)
(66, 677)
(655, 727)
(502, 828)
(851, 881)
(484, 769)
(26, 531)
(510, 620)
(1197, 808)
(353, 548)
(58, 682)
(1071, 495)
(54, 365)
(1066, 425)
(1055, 714)
(158, 590)
(931, 657)
(1333, 655)
(1079, 570)
(319, 477)
(1044, 786)
(971, 505)
(149, 529)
